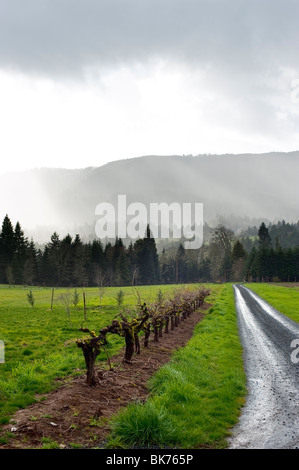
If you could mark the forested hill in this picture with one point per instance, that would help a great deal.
(261, 186)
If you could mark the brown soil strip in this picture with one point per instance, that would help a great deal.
(77, 414)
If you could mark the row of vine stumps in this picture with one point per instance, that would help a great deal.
(158, 318)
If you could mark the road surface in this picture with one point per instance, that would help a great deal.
(270, 417)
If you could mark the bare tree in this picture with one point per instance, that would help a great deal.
(101, 282)
(65, 300)
(225, 237)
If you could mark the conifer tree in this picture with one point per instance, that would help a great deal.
(264, 237)
(7, 241)
(65, 261)
(147, 259)
(54, 258)
(20, 254)
(79, 271)
(7, 248)
(30, 273)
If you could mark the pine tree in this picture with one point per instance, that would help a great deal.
(66, 259)
(226, 267)
(147, 259)
(7, 247)
(238, 261)
(120, 263)
(123, 270)
(238, 251)
(79, 271)
(151, 243)
(54, 255)
(20, 254)
(264, 237)
(265, 257)
(109, 251)
(97, 265)
(30, 272)
(251, 267)
(205, 270)
(46, 270)
(181, 267)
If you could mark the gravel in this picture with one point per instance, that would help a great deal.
(270, 417)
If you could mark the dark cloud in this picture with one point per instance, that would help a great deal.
(65, 36)
(245, 52)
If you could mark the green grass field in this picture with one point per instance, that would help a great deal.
(195, 399)
(284, 299)
(40, 343)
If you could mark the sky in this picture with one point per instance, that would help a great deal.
(86, 82)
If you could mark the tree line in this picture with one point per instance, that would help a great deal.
(70, 262)
(226, 258)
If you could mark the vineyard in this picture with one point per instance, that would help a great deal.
(147, 318)
(79, 377)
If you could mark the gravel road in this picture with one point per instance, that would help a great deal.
(270, 417)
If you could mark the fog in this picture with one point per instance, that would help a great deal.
(236, 189)
(87, 84)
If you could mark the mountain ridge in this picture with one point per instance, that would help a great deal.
(242, 185)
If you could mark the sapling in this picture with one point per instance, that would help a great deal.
(120, 296)
(76, 298)
(65, 301)
(30, 298)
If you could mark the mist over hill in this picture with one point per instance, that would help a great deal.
(239, 190)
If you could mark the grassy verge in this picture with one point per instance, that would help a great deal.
(195, 398)
(284, 299)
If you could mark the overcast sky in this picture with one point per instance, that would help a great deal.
(85, 82)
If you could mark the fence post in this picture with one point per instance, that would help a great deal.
(52, 298)
(84, 303)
